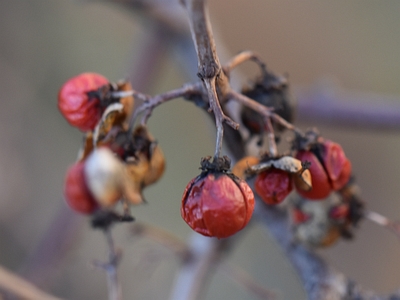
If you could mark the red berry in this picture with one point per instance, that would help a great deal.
(321, 186)
(76, 191)
(273, 185)
(336, 164)
(77, 107)
(217, 204)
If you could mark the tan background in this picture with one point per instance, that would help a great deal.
(42, 43)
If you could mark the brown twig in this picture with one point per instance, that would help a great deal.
(242, 57)
(152, 102)
(22, 288)
(261, 109)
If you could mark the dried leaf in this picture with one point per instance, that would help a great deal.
(302, 180)
(127, 102)
(242, 166)
(87, 147)
(108, 120)
(285, 163)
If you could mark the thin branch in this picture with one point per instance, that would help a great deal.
(242, 57)
(152, 102)
(220, 117)
(393, 226)
(209, 67)
(261, 109)
(111, 268)
(22, 288)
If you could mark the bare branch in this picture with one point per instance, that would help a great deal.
(241, 58)
(111, 268)
(152, 102)
(22, 288)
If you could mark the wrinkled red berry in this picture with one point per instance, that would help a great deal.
(77, 107)
(336, 164)
(76, 192)
(321, 186)
(217, 204)
(273, 185)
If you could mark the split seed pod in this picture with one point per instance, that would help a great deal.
(274, 178)
(330, 168)
(147, 164)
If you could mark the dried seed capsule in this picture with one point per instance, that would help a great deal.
(336, 164)
(321, 186)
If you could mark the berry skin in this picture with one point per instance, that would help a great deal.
(77, 194)
(273, 185)
(216, 204)
(321, 186)
(336, 164)
(77, 107)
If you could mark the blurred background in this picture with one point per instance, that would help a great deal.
(353, 46)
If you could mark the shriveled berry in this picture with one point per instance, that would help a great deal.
(76, 192)
(216, 204)
(321, 186)
(273, 185)
(80, 109)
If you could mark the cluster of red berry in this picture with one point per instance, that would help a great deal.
(118, 161)
(115, 162)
